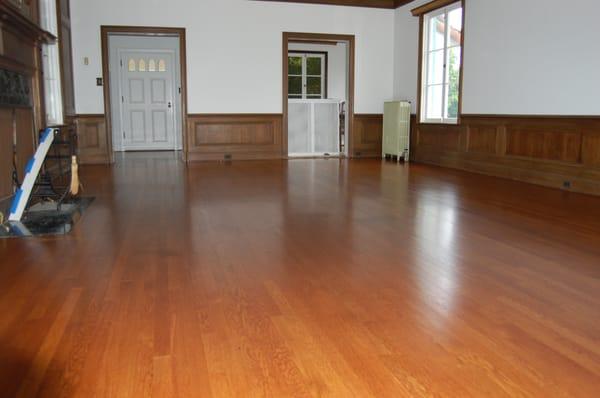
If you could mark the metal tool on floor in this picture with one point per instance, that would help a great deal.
(50, 175)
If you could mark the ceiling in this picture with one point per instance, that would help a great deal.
(356, 3)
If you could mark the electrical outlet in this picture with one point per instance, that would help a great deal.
(567, 184)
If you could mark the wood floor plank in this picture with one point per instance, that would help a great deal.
(305, 278)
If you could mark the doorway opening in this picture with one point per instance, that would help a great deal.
(144, 88)
(318, 94)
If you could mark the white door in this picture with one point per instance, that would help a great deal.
(147, 89)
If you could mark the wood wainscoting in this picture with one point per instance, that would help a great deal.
(367, 135)
(234, 136)
(93, 140)
(555, 151)
(6, 152)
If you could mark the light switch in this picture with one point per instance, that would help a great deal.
(86, 61)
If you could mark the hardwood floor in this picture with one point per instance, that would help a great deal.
(306, 278)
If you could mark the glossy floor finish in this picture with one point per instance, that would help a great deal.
(307, 278)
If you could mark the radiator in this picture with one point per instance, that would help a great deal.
(396, 130)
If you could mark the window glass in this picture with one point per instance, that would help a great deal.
(295, 65)
(295, 85)
(313, 66)
(306, 75)
(440, 93)
(313, 85)
(436, 33)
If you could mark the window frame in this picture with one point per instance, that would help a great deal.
(430, 11)
(324, 72)
(51, 65)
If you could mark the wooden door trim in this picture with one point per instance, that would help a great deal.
(327, 38)
(105, 32)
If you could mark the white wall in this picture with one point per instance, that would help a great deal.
(234, 48)
(406, 53)
(521, 57)
(336, 66)
(532, 57)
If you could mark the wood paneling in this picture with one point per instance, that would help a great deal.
(20, 115)
(560, 152)
(440, 136)
(550, 142)
(367, 135)
(92, 138)
(6, 152)
(234, 136)
(590, 149)
(482, 138)
(28, 8)
(390, 4)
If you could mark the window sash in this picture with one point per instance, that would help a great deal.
(53, 100)
(305, 76)
(427, 59)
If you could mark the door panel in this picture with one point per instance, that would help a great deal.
(159, 91)
(147, 104)
(138, 126)
(159, 126)
(136, 91)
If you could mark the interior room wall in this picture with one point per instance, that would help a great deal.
(532, 57)
(406, 53)
(234, 49)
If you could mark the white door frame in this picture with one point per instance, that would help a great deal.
(115, 48)
(174, 143)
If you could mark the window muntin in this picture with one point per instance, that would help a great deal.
(441, 65)
(306, 75)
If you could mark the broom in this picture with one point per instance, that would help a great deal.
(74, 176)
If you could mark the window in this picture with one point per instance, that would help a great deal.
(442, 30)
(51, 65)
(307, 75)
(135, 65)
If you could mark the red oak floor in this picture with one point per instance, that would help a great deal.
(306, 278)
